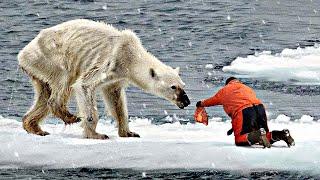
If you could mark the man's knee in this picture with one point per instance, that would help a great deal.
(242, 144)
(241, 140)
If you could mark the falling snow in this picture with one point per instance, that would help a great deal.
(209, 66)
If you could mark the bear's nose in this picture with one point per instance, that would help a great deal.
(185, 100)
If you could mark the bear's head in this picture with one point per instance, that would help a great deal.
(147, 72)
(166, 82)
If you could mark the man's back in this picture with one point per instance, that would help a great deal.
(234, 97)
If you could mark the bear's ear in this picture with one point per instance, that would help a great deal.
(153, 74)
(177, 69)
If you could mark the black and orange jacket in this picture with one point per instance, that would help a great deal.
(234, 97)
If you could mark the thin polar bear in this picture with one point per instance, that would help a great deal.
(82, 56)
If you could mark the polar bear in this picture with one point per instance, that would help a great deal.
(81, 56)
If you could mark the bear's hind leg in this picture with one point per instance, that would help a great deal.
(58, 106)
(115, 99)
(39, 110)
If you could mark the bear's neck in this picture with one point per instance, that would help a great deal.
(141, 65)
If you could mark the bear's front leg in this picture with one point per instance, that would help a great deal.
(88, 111)
(115, 99)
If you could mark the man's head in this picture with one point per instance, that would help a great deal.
(230, 79)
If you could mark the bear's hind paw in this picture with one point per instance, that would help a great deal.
(72, 119)
(42, 133)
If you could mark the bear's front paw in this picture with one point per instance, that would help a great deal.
(96, 136)
(133, 134)
(129, 134)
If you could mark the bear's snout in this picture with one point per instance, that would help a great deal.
(183, 99)
(186, 100)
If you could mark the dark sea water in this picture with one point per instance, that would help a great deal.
(188, 34)
(91, 173)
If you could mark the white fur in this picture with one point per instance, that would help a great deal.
(83, 55)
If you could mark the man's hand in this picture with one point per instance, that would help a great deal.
(198, 104)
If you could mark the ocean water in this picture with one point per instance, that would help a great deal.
(208, 40)
(90, 173)
(188, 34)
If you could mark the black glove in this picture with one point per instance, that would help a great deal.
(198, 104)
(230, 132)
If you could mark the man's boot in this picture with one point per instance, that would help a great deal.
(282, 135)
(260, 137)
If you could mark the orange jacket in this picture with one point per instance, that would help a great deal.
(234, 97)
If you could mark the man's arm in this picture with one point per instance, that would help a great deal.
(212, 101)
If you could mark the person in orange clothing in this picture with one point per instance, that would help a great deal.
(249, 120)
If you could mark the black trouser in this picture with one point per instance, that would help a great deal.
(254, 118)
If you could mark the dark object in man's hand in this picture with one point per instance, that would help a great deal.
(198, 104)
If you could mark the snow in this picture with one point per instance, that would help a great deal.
(306, 119)
(282, 119)
(166, 146)
(209, 66)
(103, 75)
(301, 65)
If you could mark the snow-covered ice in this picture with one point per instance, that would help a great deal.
(301, 65)
(166, 146)
(209, 66)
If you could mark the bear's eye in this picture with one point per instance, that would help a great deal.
(152, 73)
(173, 87)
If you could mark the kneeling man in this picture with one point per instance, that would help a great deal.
(249, 120)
